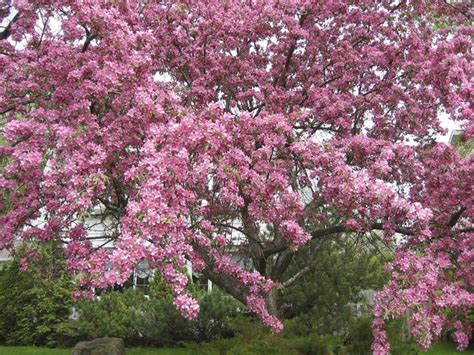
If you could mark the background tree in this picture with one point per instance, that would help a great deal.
(205, 130)
(33, 302)
(338, 286)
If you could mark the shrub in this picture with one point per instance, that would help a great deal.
(253, 338)
(330, 295)
(397, 333)
(114, 314)
(32, 303)
(68, 333)
(313, 344)
(359, 338)
(154, 319)
(217, 309)
(161, 323)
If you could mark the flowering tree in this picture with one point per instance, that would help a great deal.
(206, 129)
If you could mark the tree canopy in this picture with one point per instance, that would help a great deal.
(210, 130)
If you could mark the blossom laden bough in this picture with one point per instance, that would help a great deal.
(208, 131)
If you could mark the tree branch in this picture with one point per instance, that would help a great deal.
(455, 217)
(224, 281)
(89, 38)
(399, 230)
(7, 31)
(296, 276)
(334, 230)
(289, 55)
(26, 102)
(281, 264)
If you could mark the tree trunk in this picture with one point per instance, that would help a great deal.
(271, 302)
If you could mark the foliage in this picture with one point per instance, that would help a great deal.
(68, 333)
(32, 303)
(400, 344)
(447, 348)
(252, 338)
(217, 309)
(192, 124)
(153, 319)
(114, 314)
(329, 296)
(249, 332)
(465, 146)
(219, 347)
(216, 348)
(162, 324)
(359, 338)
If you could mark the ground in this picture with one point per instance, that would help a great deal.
(438, 349)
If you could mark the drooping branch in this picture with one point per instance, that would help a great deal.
(335, 230)
(303, 270)
(25, 102)
(255, 246)
(224, 281)
(228, 284)
(399, 230)
(341, 229)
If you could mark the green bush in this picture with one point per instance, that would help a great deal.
(68, 333)
(330, 295)
(114, 314)
(161, 323)
(238, 346)
(359, 338)
(260, 347)
(313, 344)
(154, 319)
(32, 303)
(253, 338)
(217, 309)
(248, 327)
(397, 334)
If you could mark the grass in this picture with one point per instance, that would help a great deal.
(159, 351)
(437, 349)
(33, 350)
(447, 349)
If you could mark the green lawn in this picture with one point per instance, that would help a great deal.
(438, 349)
(31, 350)
(447, 349)
(164, 351)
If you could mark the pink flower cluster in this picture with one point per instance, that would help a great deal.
(188, 306)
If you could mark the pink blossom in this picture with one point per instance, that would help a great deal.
(187, 305)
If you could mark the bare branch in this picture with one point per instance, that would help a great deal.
(296, 276)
